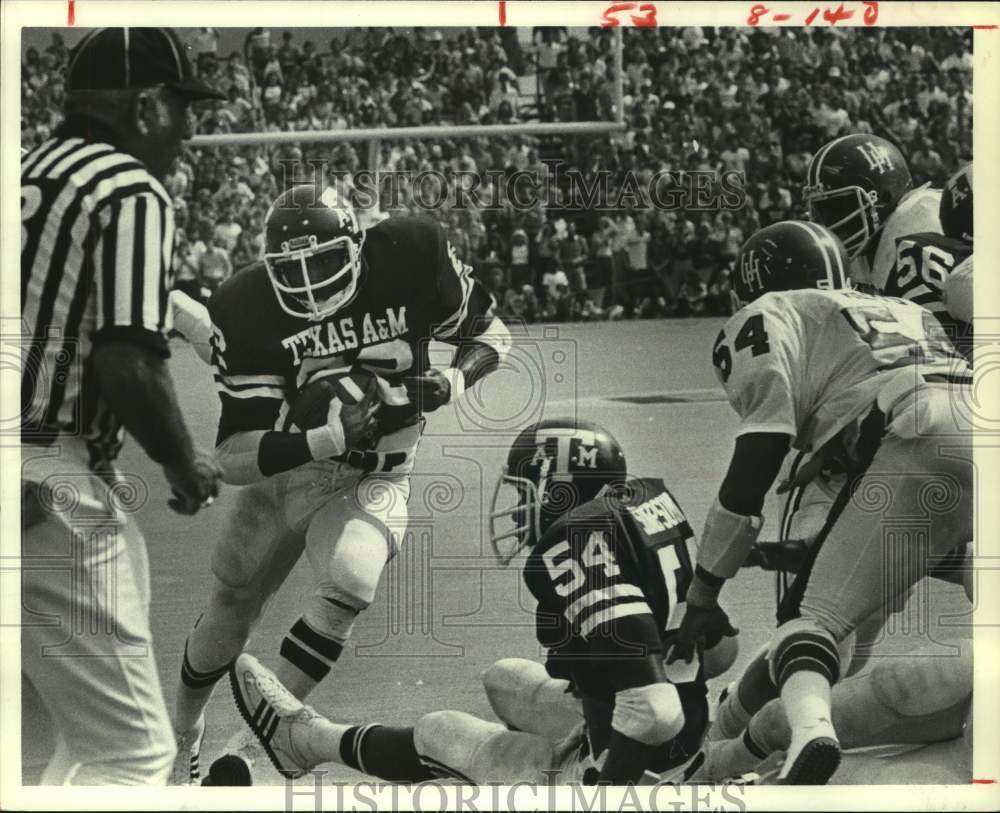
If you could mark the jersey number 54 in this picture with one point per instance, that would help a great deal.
(751, 336)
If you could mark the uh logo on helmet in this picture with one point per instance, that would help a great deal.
(787, 256)
(853, 184)
(552, 466)
(312, 251)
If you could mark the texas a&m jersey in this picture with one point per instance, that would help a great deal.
(610, 578)
(807, 363)
(413, 287)
(917, 212)
(923, 264)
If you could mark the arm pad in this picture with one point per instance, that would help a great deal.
(726, 540)
(650, 714)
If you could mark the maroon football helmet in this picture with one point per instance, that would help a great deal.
(853, 184)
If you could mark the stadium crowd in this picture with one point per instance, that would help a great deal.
(750, 101)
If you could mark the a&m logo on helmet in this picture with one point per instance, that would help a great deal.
(877, 155)
(750, 272)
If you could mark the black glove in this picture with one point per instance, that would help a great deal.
(428, 391)
(705, 625)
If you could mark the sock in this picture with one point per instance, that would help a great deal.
(806, 697)
(769, 728)
(732, 757)
(306, 658)
(387, 752)
(195, 689)
(754, 689)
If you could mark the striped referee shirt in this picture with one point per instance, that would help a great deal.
(97, 236)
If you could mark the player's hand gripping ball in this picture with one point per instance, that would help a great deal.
(357, 393)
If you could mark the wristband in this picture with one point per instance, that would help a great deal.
(324, 442)
(704, 592)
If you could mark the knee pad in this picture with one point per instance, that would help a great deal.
(348, 556)
(476, 751)
(509, 684)
(650, 714)
(803, 645)
(524, 697)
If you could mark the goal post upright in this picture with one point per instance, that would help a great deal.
(619, 78)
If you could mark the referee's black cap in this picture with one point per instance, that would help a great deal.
(125, 58)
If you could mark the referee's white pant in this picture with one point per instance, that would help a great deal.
(86, 646)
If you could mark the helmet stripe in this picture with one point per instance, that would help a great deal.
(829, 242)
(824, 249)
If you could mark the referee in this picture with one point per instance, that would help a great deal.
(96, 242)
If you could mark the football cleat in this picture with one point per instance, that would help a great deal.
(273, 714)
(812, 759)
(186, 770)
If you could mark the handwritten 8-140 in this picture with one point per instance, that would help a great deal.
(831, 15)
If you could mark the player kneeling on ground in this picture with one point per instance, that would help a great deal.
(871, 381)
(610, 561)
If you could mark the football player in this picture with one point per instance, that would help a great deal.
(609, 563)
(871, 382)
(925, 262)
(860, 188)
(329, 300)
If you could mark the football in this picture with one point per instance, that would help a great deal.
(357, 390)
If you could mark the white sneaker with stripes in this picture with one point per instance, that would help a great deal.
(273, 714)
(186, 769)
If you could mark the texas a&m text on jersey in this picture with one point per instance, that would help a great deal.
(413, 288)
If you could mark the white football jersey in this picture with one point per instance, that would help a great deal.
(807, 363)
(916, 213)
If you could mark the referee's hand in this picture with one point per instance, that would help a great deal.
(196, 484)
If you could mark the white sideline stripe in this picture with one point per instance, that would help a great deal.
(617, 611)
(600, 594)
(697, 396)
